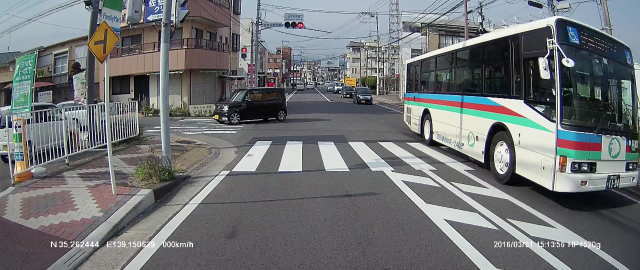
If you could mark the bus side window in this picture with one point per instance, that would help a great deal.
(496, 69)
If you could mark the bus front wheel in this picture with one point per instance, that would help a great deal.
(503, 157)
(427, 129)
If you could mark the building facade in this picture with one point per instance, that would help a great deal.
(53, 83)
(203, 57)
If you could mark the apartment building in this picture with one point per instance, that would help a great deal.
(366, 58)
(52, 72)
(203, 56)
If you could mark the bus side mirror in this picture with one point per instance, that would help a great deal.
(568, 62)
(543, 66)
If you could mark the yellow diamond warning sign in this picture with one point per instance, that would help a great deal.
(103, 41)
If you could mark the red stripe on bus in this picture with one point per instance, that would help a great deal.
(580, 146)
(468, 105)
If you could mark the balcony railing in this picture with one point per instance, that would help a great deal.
(176, 44)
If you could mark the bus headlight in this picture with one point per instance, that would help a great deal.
(632, 166)
(583, 167)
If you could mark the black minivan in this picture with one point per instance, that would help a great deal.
(251, 104)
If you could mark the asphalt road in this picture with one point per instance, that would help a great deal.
(5, 180)
(345, 186)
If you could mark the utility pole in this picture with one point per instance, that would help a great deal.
(253, 59)
(164, 84)
(377, 57)
(466, 20)
(606, 18)
(552, 7)
(257, 40)
(91, 61)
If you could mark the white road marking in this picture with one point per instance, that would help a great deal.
(210, 132)
(544, 254)
(463, 169)
(407, 157)
(325, 97)
(440, 157)
(152, 130)
(545, 232)
(145, 254)
(480, 190)
(331, 158)
(437, 218)
(291, 157)
(251, 160)
(411, 178)
(291, 95)
(388, 108)
(626, 196)
(371, 158)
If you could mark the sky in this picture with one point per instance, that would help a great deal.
(73, 22)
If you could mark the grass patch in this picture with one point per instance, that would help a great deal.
(152, 171)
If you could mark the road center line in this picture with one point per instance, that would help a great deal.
(145, 254)
(325, 97)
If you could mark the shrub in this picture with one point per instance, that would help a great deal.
(150, 111)
(152, 171)
(179, 112)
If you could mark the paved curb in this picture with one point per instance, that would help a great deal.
(139, 203)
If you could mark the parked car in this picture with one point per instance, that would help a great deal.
(363, 95)
(347, 91)
(250, 104)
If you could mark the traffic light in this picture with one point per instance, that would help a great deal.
(243, 52)
(294, 25)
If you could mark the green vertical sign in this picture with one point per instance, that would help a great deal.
(23, 80)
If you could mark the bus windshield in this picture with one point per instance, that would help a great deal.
(598, 93)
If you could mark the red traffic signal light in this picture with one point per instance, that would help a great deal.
(243, 50)
(294, 25)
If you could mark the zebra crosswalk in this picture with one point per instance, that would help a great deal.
(331, 155)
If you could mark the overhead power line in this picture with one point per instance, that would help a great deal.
(38, 16)
(342, 12)
(320, 37)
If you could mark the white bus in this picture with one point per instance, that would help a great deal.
(495, 99)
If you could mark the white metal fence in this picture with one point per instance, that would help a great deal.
(60, 132)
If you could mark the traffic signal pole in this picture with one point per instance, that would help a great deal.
(257, 41)
(91, 61)
(165, 136)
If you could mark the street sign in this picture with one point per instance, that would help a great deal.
(23, 81)
(350, 81)
(272, 25)
(153, 10)
(103, 41)
(297, 17)
(112, 14)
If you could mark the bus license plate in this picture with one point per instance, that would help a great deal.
(613, 181)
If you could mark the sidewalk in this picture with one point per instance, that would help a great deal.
(44, 220)
(391, 101)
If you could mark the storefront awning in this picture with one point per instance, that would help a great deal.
(38, 85)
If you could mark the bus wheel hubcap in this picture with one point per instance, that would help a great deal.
(501, 157)
(281, 115)
(427, 129)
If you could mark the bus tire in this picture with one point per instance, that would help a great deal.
(502, 158)
(427, 129)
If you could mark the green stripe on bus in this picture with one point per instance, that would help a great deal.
(483, 114)
(575, 154)
(632, 156)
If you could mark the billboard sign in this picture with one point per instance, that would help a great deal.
(23, 82)
(112, 14)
